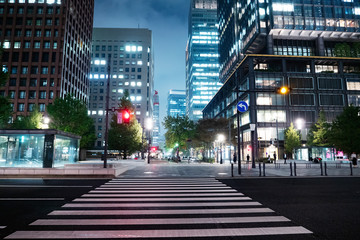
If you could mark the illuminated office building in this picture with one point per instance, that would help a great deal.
(156, 120)
(202, 66)
(131, 69)
(311, 46)
(176, 103)
(46, 51)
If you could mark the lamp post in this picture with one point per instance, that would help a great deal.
(149, 126)
(221, 139)
(107, 109)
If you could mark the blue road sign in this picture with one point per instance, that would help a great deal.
(242, 106)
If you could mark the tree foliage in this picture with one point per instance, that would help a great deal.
(33, 121)
(319, 132)
(5, 112)
(126, 138)
(292, 139)
(70, 115)
(345, 50)
(179, 131)
(345, 130)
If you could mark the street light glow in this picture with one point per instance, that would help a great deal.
(148, 123)
(299, 123)
(221, 137)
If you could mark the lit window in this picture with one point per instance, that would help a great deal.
(6, 44)
(133, 84)
(126, 83)
(101, 112)
(139, 63)
(93, 112)
(139, 48)
(138, 84)
(138, 98)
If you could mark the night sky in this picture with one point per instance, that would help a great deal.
(168, 20)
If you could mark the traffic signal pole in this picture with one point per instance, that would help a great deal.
(107, 113)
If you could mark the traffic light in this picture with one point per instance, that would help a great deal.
(126, 116)
(153, 149)
(283, 90)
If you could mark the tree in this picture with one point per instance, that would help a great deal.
(5, 112)
(70, 115)
(342, 50)
(207, 131)
(318, 132)
(344, 133)
(179, 131)
(356, 49)
(126, 138)
(292, 139)
(33, 121)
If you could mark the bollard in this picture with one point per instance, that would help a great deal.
(295, 169)
(264, 169)
(259, 169)
(325, 166)
(232, 170)
(351, 169)
(291, 173)
(321, 169)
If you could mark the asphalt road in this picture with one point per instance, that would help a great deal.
(23, 201)
(329, 207)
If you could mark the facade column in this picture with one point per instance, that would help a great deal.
(48, 159)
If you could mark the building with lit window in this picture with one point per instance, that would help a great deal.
(176, 103)
(46, 51)
(131, 69)
(202, 66)
(156, 120)
(310, 46)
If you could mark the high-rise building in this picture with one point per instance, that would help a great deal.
(310, 46)
(46, 51)
(131, 66)
(156, 120)
(202, 65)
(176, 103)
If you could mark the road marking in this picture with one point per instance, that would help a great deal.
(159, 212)
(164, 195)
(158, 221)
(180, 233)
(42, 186)
(32, 199)
(158, 188)
(166, 184)
(2, 227)
(160, 199)
(139, 205)
(168, 191)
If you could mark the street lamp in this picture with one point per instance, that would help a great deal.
(45, 123)
(299, 123)
(221, 139)
(149, 126)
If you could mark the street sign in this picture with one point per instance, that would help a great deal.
(242, 106)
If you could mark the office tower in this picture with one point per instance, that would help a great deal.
(202, 66)
(156, 120)
(176, 103)
(131, 66)
(310, 46)
(46, 50)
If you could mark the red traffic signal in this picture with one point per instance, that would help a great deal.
(126, 116)
(153, 149)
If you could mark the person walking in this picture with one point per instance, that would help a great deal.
(234, 157)
(274, 157)
(354, 159)
(285, 157)
(248, 158)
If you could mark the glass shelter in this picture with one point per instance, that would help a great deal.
(38, 148)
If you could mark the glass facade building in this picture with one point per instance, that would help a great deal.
(202, 66)
(176, 103)
(38, 148)
(311, 46)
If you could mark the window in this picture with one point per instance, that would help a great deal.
(11, 94)
(47, 44)
(330, 83)
(331, 100)
(21, 107)
(43, 82)
(32, 94)
(353, 83)
(36, 44)
(24, 70)
(14, 70)
(27, 44)
(34, 70)
(300, 82)
(44, 70)
(51, 94)
(31, 107)
(42, 94)
(23, 82)
(33, 82)
(302, 99)
(42, 107)
(37, 33)
(22, 94)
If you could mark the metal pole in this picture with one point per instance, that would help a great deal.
(107, 112)
(295, 169)
(264, 169)
(291, 170)
(238, 125)
(221, 158)
(230, 140)
(351, 169)
(277, 139)
(232, 170)
(321, 169)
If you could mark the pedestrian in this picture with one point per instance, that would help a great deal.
(285, 157)
(248, 158)
(269, 158)
(274, 157)
(234, 157)
(354, 159)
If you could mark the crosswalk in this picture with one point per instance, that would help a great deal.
(187, 208)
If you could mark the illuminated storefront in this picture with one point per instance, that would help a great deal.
(38, 148)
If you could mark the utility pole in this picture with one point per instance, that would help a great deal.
(107, 112)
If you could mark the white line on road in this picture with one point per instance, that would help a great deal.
(139, 205)
(159, 191)
(160, 199)
(32, 199)
(158, 212)
(180, 233)
(157, 188)
(158, 221)
(164, 195)
(2, 227)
